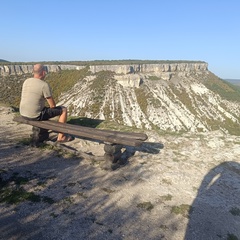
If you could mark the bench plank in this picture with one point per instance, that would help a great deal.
(124, 138)
(67, 126)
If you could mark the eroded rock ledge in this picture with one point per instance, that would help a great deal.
(7, 70)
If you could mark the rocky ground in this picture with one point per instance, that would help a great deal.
(173, 187)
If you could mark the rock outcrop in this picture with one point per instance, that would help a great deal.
(6, 70)
(178, 101)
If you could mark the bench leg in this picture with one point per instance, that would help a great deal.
(39, 135)
(113, 153)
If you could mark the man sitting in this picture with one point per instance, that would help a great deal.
(32, 105)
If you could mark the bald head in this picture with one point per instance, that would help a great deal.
(39, 71)
(38, 68)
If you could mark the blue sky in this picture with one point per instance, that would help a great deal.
(71, 30)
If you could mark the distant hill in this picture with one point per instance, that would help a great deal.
(2, 60)
(233, 81)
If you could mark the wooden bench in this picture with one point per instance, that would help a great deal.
(113, 141)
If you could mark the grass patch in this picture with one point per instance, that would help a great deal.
(64, 80)
(68, 200)
(167, 197)
(166, 181)
(231, 236)
(153, 78)
(108, 190)
(145, 205)
(235, 211)
(12, 192)
(183, 209)
(82, 194)
(15, 196)
(54, 215)
(25, 141)
(225, 89)
(47, 200)
(142, 95)
(41, 184)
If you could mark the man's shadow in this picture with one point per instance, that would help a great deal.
(215, 212)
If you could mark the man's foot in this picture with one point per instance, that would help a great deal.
(66, 139)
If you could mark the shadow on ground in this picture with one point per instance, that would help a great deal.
(86, 122)
(215, 213)
(47, 196)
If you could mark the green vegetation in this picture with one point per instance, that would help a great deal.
(184, 210)
(166, 181)
(62, 81)
(146, 206)
(225, 89)
(184, 98)
(232, 237)
(235, 211)
(10, 91)
(108, 190)
(4, 61)
(153, 78)
(104, 62)
(100, 83)
(25, 141)
(98, 88)
(15, 196)
(11, 86)
(235, 82)
(167, 197)
(12, 191)
(142, 98)
(232, 127)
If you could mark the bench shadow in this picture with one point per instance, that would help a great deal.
(127, 151)
(85, 122)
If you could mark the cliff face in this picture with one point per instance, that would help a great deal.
(7, 70)
(171, 97)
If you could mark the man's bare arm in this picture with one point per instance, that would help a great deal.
(51, 102)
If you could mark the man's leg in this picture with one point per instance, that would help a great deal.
(61, 112)
(62, 119)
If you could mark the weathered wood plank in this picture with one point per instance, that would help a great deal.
(139, 136)
(91, 133)
(136, 136)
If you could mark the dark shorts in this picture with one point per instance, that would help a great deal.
(48, 113)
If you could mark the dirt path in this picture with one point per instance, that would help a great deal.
(187, 188)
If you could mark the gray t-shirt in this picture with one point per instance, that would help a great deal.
(34, 93)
